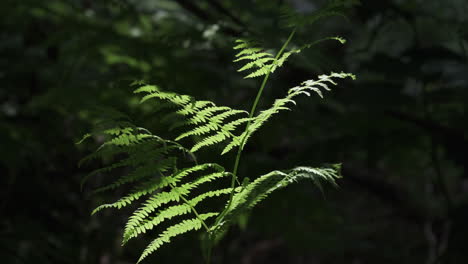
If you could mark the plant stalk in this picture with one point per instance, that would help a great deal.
(252, 112)
(193, 210)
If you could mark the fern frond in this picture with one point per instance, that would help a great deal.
(211, 140)
(159, 183)
(144, 161)
(141, 220)
(144, 189)
(236, 142)
(177, 210)
(284, 58)
(259, 61)
(199, 118)
(282, 104)
(243, 44)
(141, 172)
(260, 72)
(254, 57)
(256, 191)
(173, 231)
(153, 91)
(162, 198)
(145, 153)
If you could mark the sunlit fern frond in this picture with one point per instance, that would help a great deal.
(175, 230)
(253, 193)
(259, 61)
(323, 82)
(178, 200)
(137, 226)
(155, 201)
(205, 120)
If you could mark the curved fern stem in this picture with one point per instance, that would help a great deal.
(244, 138)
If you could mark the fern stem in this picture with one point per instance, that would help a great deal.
(252, 112)
(265, 79)
(193, 209)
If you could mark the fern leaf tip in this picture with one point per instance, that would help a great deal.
(85, 136)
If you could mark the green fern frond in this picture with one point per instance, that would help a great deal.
(142, 172)
(254, 57)
(258, 61)
(284, 58)
(211, 140)
(147, 225)
(168, 213)
(161, 198)
(153, 91)
(214, 124)
(236, 142)
(117, 136)
(260, 72)
(145, 152)
(143, 161)
(199, 118)
(173, 231)
(207, 113)
(198, 131)
(156, 184)
(256, 191)
(252, 50)
(243, 44)
(262, 63)
(143, 189)
(282, 104)
(142, 220)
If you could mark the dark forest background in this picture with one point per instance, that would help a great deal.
(399, 129)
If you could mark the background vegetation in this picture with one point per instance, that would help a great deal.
(399, 129)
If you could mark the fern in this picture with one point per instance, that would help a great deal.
(171, 188)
